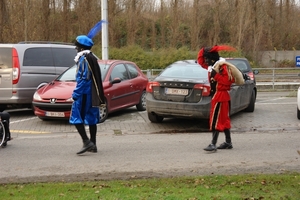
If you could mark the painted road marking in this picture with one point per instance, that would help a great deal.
(29, 132)
(287, 103)
(22, 120)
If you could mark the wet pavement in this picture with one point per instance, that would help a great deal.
(273, 111)
(130, 146)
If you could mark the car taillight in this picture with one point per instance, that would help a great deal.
(150, 86)
(15, 66)
(205, 89)
(251, 75)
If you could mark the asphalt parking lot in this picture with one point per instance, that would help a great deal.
(130, 146)
(273, 111)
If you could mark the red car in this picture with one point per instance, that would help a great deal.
(124, 86)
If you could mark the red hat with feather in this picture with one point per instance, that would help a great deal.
(212, 53)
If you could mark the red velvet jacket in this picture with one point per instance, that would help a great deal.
(223, 83)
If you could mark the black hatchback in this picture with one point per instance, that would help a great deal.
(182, 90)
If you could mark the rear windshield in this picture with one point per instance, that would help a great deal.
(60, 57)
(184, 71)
(5, 58)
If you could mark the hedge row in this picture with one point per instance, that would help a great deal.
(156, 59)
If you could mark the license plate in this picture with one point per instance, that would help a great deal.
(177, 91)
(55, 114)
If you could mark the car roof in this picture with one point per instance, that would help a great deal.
(185, 62)
(236, 58)
(27, 44)
(109, 62)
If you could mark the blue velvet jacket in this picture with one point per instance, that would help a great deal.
(83, 112)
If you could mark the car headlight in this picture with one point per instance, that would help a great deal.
(36, 96)
(70, 100)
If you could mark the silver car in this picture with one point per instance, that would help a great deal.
(182, 90)
(27, 66)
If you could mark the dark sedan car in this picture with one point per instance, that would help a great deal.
(123, 82)
(182, 90)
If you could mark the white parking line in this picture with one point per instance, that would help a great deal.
(22, 120)
(273, 99)
(284, 103)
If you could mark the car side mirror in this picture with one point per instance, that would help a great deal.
(255, 72)
(116, 80)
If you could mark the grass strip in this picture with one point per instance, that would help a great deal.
(245, 187)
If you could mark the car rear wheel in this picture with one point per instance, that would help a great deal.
(103, 113)
(141, 106)
(251, 105)
(155, 118)
(2, 108)
(298, 113)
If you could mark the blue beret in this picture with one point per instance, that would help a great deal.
(84, 41)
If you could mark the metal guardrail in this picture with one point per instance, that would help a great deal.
(278, 75)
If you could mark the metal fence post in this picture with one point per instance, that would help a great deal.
(149, 74)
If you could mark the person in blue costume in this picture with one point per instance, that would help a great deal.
(88, 94)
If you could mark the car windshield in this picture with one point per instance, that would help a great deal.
(69, 74)
(184, 71)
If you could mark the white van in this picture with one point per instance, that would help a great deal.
(26, 66)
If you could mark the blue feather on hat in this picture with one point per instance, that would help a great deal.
(96, 29)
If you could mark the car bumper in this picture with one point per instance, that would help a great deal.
(198, 110)
(47, 110)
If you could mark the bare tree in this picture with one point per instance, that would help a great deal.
(249, 25)
(4, 19)
(66, 11)
(46, 14)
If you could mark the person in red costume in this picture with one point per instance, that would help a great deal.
(219, 121)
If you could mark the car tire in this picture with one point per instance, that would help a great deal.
(141, 106)
(251, 106)
(155, 118)
(298, 113)
(103, 113)
(2, 108)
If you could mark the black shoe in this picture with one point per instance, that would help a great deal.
(93, 150)
(225, 145)
(210, 147)
(86, 146)
(4, 144)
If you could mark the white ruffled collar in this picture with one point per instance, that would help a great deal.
(212, 67)
(79, 54)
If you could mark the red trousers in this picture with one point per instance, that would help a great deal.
(219, 116)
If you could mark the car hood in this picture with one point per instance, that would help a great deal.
(57, 89)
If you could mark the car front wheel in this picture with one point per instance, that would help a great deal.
(298, 113)
(103, 113)
(155, 118)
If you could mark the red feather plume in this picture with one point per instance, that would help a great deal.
(217, 48)
(200, 59)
